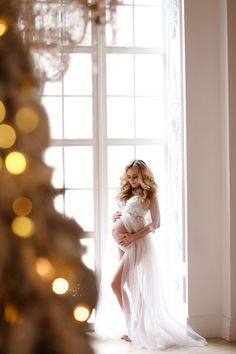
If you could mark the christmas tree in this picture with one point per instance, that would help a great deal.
(47, 293)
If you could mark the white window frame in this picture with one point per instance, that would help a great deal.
(100, 141)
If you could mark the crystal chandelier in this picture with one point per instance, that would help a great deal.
(50, 21)
(47, 25)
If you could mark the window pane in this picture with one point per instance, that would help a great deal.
(112, 208)
(120, 78)
(53, 88)
(123, 28)
(117, 158)
(79, 167)
(148, 27)
(59, 203)
(112, 204)
(54, 158)
(53, 106)
(120, 117)
(80, 206)
(89, 256)
(148, 2)
(78, 77)
(150, 119)
(78, 122)
(148, 75)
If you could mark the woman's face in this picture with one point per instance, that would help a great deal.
(133, 177)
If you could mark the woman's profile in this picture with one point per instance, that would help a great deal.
(137, 280)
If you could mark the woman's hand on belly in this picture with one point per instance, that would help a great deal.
(116, 216)
(125, 239)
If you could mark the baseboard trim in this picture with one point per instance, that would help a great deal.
(207, 326)
(214, 326)
(233, 330)
(229, 328)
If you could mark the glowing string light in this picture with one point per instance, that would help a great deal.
(7, 136)
(81, 313)
(27, 119)
(22, 206)
(3, 27)
(60, 286)
(16, 162)
(23, 226)
(10, 313)
(44, 267)
(2, 111)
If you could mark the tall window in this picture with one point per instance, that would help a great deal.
(121, 99)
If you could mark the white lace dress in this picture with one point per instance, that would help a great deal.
(147, 321)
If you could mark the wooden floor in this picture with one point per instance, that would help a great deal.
(215, 346)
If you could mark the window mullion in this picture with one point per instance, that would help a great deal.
(100, 160)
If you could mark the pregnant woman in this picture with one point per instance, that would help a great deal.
(137, 199)
(136, 283)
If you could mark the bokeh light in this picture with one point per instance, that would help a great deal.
(7, 136)
(22, 206)
(23, 226)
(10, 313)
(60, 286)
(44, 267)
(2, 111)
(81, 313)
(27, 119)
(3, 27)
(16, 162)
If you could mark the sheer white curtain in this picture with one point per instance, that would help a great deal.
(175, 227)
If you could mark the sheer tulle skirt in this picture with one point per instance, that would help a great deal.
(146, 321)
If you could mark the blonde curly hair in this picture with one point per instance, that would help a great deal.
(147, 188)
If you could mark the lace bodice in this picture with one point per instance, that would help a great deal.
(134, 214)
(134, 207)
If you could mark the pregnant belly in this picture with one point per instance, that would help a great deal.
(117, 229)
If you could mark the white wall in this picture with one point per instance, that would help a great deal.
(211, 169)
